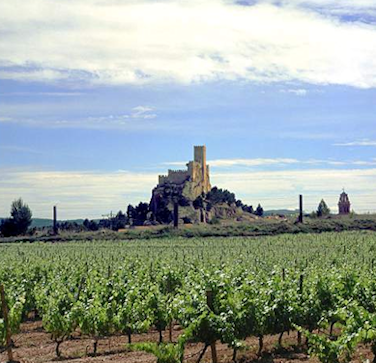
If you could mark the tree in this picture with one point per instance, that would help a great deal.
(142, 211)
(131, 212)
(91, 225)
(198, 202)
(217, 196)
(239, 203)
(119, 221)
(248, 209)
(7, 227)
(21, 215)
(259, 211)
(322, 210)
(20, 219)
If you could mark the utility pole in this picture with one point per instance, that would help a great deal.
(300, 208)
(55, 230)
(176, 214)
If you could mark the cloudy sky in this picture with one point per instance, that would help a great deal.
(98, 97)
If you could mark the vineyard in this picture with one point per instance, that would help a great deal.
(211, 291)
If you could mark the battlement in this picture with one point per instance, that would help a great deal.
(197, 172)
(174, 172)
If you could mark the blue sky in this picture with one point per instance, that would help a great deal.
(99, 97)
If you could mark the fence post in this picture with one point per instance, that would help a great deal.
(300, 208)
(176, 214)
(301, 298)
(209, 300)
(8, 339)
(55, 221)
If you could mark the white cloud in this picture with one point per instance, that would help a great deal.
(77, 194)
(251, 162)
(283, 162)
(296, 92)
(225, 163)
(143, 112)
(137, 42)
(123, 121)
(364, 142)
(47, 94)
(280, 189)
(90, 194)
(19, 149)
(5, 119)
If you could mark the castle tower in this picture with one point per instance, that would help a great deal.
(344, 204)
(200, 157)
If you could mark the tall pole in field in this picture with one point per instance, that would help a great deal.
(8, 339)
(176, 214)
(55, 221)
(300, 208)
(210, 303)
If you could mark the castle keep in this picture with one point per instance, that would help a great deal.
(197, 173)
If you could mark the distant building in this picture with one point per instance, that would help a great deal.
(344, 204)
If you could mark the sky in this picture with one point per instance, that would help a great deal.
(99, 97)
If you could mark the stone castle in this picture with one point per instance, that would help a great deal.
(197, 174)
(184, 186)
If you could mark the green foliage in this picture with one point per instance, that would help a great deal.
(215, 221)
(248, 209)
(14, 318)
(259, 211)
(216, 196)
(21, 215)
(8, 227)
(20, 219)
(256, 284)
(90, 225)
(323, 210)
(198, 202)
(138, 215)
(165, 353)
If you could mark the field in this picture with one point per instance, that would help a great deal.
(85, 301)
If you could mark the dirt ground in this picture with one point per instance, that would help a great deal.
(33, 345)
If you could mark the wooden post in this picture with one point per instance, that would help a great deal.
(301, 298)
(55, 221)
(170, 323)
(8, 339)
(176, 214)
(209, 301)
(300, 208)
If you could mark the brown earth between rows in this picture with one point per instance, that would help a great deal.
(33, 345)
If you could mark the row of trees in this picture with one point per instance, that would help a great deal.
(21, 215)
(135, 215)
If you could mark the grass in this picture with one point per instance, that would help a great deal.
(259, 227)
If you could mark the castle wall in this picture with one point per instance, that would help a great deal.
(177, 176)
(194, 170)
(197, 173)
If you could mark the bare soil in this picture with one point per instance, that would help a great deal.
(33, 345)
